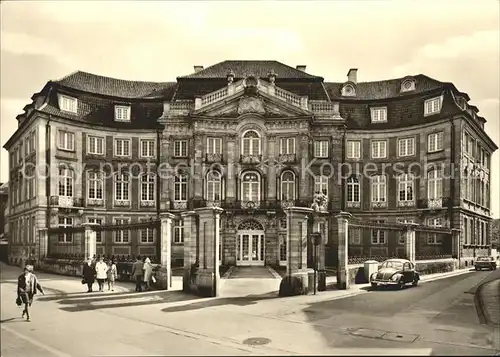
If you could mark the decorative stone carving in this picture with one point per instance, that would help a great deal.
(213, 204)
(320, 203)
(250, 204)
(287, 204)
(180, 205)
(251, 105)
(250, 159)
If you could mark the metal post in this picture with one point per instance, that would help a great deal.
(315, 258)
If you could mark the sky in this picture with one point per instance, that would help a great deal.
(451, 41)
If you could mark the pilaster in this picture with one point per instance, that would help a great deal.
(190, 231)
(230, 169)
(343, 243)
(410, 245)
(166, 246)
(305, 183)
(197, 179)
(90, 240)
(271, 167)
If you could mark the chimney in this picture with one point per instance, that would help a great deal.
(198, 68)
(301, 67)
(352, 75)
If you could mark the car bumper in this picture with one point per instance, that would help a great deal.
(484, 266)
(384, 282)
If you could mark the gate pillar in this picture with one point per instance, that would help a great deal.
(296, 281)
(208, 277)
(456, 245)
(190, 249)
(410, 246)
(166, 250)
(90, 241)
(343, 258)
(320, 224)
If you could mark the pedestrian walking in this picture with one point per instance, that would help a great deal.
(88, 275)
(112, 275)
(101, 271)
(148, 273)
(27, 286)
(138, 273)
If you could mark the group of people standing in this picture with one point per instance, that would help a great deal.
(142, 273)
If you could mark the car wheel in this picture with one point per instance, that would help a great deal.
(415, 282)
(374, 285)
(401, 284)
(477, 269)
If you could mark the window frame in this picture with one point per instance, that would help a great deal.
(119, 179)
(67, 238)
(96, 139)
(321, 181)
(406, 178)
(252, 142)
(287, 143)
(63, 140)
(183, 148)
(178, 231)
(352, 186)
(98, 234)
(379, 148)
(353, 150)
(289, 183)
(68, 104)
(431, 110)
(212, 143)
(251, 185)
(435, 138)
(181, 180)
(378, 187)
(437, 184)
(94, 181)
(145, 187)
(214, 183)
(119, 110)
(150, 146)
(321, 148)
(378, 118)
(406, 152)
(129, 147)
(121, 221)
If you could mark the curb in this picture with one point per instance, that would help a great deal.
(446, 275)
(482, 311)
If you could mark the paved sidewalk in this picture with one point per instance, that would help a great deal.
(489, 295)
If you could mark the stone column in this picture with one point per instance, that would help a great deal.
(343, 259)
(321, 220)
(271, 167)
(305, 177)
(164, 173)
(208, 280)
(189, 219)
(166, 249)
(456, 245)
(296, 280)
(90, 240)
(410, 247)
(230, 158)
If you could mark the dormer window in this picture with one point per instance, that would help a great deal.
(407, 85)
(122, 113)
(348, 91)
(432, 106)
(67, 104)
(462, 103)
(379, 114)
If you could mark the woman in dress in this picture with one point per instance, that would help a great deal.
(101, 272)
(27, 285)
(148, 273)
(112, 275)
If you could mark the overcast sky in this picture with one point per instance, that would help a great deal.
(455, 41)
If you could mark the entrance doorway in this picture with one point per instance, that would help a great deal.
(250, 243)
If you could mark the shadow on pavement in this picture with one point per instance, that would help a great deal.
(238, 301)
(62, 295)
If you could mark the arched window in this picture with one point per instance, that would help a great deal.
(65, 182)
(379, 188)
(250, 143)
(288, 185)
(148, 187)
(250, 187)
(180, 187)
(214, 186)
(353, 192)
(250, 225)
(434, 185)
(405, 187)
(122, 187)
(321, 184)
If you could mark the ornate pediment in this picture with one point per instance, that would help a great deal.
(251, 104)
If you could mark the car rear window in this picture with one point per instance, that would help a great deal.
(483, 259)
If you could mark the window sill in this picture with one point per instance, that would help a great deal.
(147, 203)
(435, 151)
(95, 154)
(121, 243)
(66, 150)
(432, 113)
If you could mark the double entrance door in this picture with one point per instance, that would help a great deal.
(250, 248)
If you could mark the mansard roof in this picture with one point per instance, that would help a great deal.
(121, 88)
(258, 68)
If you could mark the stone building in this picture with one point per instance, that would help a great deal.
(251, 137)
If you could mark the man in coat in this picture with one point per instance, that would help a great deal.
(88, 274)
(138, 273)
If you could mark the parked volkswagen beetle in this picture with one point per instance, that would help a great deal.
(485, 262)
(395, 272)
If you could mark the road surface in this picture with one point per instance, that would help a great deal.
(438, 315)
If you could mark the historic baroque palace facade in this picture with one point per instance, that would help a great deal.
(252, 137)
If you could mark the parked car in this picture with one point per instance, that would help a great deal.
(485, 262)
(395, 272)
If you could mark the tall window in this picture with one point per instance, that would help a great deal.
(432, 106)
(434, 185)
(353, 149)
(95, 145)
(379, 149)
(66, 140)
(251, 143)
(122, 147)
(180, 148)
(321, 148)
(147, 234)
(321, 184)
(214, 186)
(250, 187)
(65, 222)
(122, 235)
(122, 113)
(434, 238)
(180, 187)
(96, 185)
(288, 185)
(287, 146)
(214, 146)
(435, 142)
(405, 187)
(378, 235)
(148, 148)
(98, 234)
(148, 187)
(353, 189)
(179, 231)
(379, 188)
(32, 141)
(406, 147)
(122, 187)
(65, 182)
